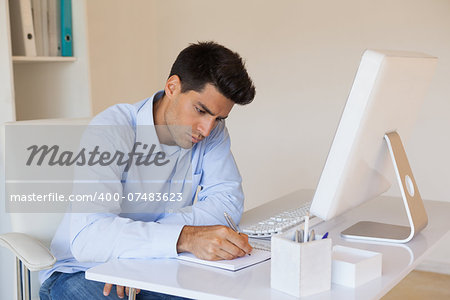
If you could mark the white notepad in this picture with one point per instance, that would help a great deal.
(232, 265)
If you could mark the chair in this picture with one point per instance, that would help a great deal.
(30, 246)
(33, 232)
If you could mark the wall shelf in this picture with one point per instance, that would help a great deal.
(44, 87)
(41, 59)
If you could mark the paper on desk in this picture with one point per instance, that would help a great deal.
(232, 265)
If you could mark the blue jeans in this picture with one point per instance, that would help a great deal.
(73, 286)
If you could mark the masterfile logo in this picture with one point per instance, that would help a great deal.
(94, 168)
(53, 156)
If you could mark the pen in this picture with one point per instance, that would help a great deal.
(305, 237)
(232, 224)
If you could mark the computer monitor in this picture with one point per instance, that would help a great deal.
(367, 155)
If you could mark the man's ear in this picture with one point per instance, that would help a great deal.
(173, 86)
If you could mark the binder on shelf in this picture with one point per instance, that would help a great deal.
(54, 28)
(40, 22)
(22, 29)
(44, 16)
(66, 28)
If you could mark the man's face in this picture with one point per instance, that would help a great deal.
(191, 116)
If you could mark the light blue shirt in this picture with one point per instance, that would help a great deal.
(84, 240)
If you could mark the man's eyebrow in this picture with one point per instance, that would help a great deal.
(209, 111)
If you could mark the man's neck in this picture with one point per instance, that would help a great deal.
(159, 108)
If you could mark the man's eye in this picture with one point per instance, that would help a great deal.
(199, 110)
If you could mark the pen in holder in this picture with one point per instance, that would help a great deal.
(300, 269)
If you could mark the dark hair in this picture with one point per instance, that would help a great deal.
(209, 62)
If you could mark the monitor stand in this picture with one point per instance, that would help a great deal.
(415, 209)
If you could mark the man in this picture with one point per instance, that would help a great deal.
(185, 122)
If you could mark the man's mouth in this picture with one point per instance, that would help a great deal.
(195, 140)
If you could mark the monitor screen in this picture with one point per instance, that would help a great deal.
(386, 96)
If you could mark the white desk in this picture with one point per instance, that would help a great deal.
(200, 282)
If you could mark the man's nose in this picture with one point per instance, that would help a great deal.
(206, 125)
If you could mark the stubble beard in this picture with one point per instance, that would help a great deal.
(180, 134)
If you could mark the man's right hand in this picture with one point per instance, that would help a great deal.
(213, 242)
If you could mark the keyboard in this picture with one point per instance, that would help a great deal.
(278, 223)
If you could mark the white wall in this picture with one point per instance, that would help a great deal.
(122, 51)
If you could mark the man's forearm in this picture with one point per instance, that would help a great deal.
(89, 241)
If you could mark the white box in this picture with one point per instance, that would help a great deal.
(300, 269)
(353, 267)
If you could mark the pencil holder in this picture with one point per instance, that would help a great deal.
(300, 269)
